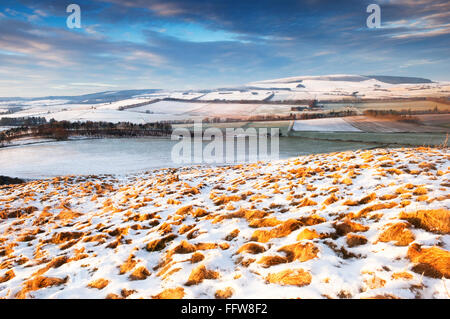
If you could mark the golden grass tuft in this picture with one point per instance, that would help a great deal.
(388, 196)
(224, 199)
(232, 235)
(420, 191)
(330, 200)
(197, 257)
(375, 282)
(199, 212)
(399, 233)
(184, 210)
(99, 283)
(206, 246)
(140, 273)
(307, 202)
(252, 248)
(184, 248)
(311, 220)
(224, 293)
(402, 275)
(199, 274)
(7, 276)
(128, 265)
(39, 282)
(300, 251)
(171, 293)
(63, 237)
(282, 230)
(269, 261)
(307, 234)
(347, 226)
(435, 220)
(432, 262)
(354, 240)
(265, 222)
(363, 212)
(160, 243)
(293, 277)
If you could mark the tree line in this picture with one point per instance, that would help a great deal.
(61, 130)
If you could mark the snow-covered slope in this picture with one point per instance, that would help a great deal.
(363, 224)
(324, 88)
(337, 87)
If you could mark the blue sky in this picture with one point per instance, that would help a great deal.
(187, 44)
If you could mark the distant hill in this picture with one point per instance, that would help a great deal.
(399, 79)
(92, 98)
(351, 78)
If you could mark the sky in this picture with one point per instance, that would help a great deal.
(187, 44)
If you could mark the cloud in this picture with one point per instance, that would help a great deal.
(102, 85)
(179, 43)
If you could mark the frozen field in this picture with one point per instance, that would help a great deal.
(122, 155)
(325, 125)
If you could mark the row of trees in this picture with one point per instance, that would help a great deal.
(282, 117)
(61, 130)
(22, 121)
(391, 112)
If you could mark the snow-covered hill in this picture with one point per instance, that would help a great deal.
(122, 105)
(363, 224)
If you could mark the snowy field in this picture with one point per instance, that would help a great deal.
(253, 95)
(123, 156)
(325, 125)
(363, 224)
(104, 105)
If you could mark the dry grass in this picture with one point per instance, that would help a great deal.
(354, 240)
(224, 293)
(171, 293)
(265, 222)
(38, 283)
(300, 251)
(197, 257)
(362, 201)
(311, 220)
(388, 196)
(375, 282)
(7, 276)
(269, 261)
(436, 220)
(402, 275)
(348, 226)
(399, 233)
(365, 211)
(128, 265)
(99, 283)
(252, 248)
(330, 200)
(184, 248)
(420, 191)
(263, 236)
(160, 243)
(432, 262)
(140, 273)
(294, 277)
(199, 274)
(307, 234)
(232, 235)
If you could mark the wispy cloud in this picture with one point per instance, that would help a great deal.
(190, 43)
